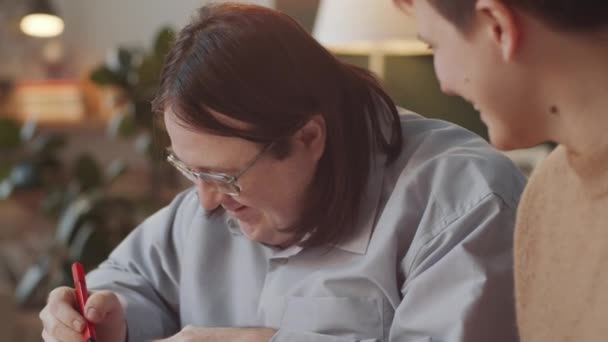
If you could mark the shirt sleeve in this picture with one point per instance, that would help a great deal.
(148, 260)
(459, 281)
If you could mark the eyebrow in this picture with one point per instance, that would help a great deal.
(227, 171)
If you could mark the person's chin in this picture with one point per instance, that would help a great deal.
(497, 135)
(248, 230)
(504, 140)
(252, 227)
(256, 233)
(482, 116)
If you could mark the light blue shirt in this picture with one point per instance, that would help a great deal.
(430, 259)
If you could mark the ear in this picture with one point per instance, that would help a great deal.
(311, 136)
(500, 25)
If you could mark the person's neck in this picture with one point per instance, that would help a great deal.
(577, 93)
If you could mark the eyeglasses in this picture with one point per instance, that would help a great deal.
(226, 184)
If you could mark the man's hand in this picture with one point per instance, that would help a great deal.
(198, 334)
(61, 321)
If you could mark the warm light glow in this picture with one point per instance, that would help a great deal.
(42, 25)
(401, 47)
(366, 26)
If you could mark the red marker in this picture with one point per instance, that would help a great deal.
(81, 294)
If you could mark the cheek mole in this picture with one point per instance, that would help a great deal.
(554, 110)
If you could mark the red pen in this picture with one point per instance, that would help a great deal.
(81, 294)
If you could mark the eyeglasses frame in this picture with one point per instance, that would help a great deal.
(222, 181)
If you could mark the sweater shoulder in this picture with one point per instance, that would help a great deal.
(546, 179)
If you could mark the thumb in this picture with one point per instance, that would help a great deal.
(103, 306)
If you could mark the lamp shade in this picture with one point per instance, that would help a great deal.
(41, 20)
(362, 26)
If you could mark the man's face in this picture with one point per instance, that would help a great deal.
(471, 64)
(272, 191)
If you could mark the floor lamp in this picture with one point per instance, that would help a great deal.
(367, 27)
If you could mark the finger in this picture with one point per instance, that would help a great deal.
(101, 305)
(48, 338)
(60, 307)
(55, 330)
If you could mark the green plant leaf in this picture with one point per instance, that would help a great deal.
(149, 71)
(121, 125)
(49, 144)
(164, 41)
(9, 133)
(115, 170)
(25, 175)
(125, 60)
(104, 76)
(88, 172)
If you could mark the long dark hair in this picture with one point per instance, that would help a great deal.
(259, 66)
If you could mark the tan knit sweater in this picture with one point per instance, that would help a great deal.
(561, 251)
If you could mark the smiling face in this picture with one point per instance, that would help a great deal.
(272, 191)
(485, 65)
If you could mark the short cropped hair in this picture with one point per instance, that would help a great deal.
(567, 15)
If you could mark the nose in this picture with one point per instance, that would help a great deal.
(209, 195)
